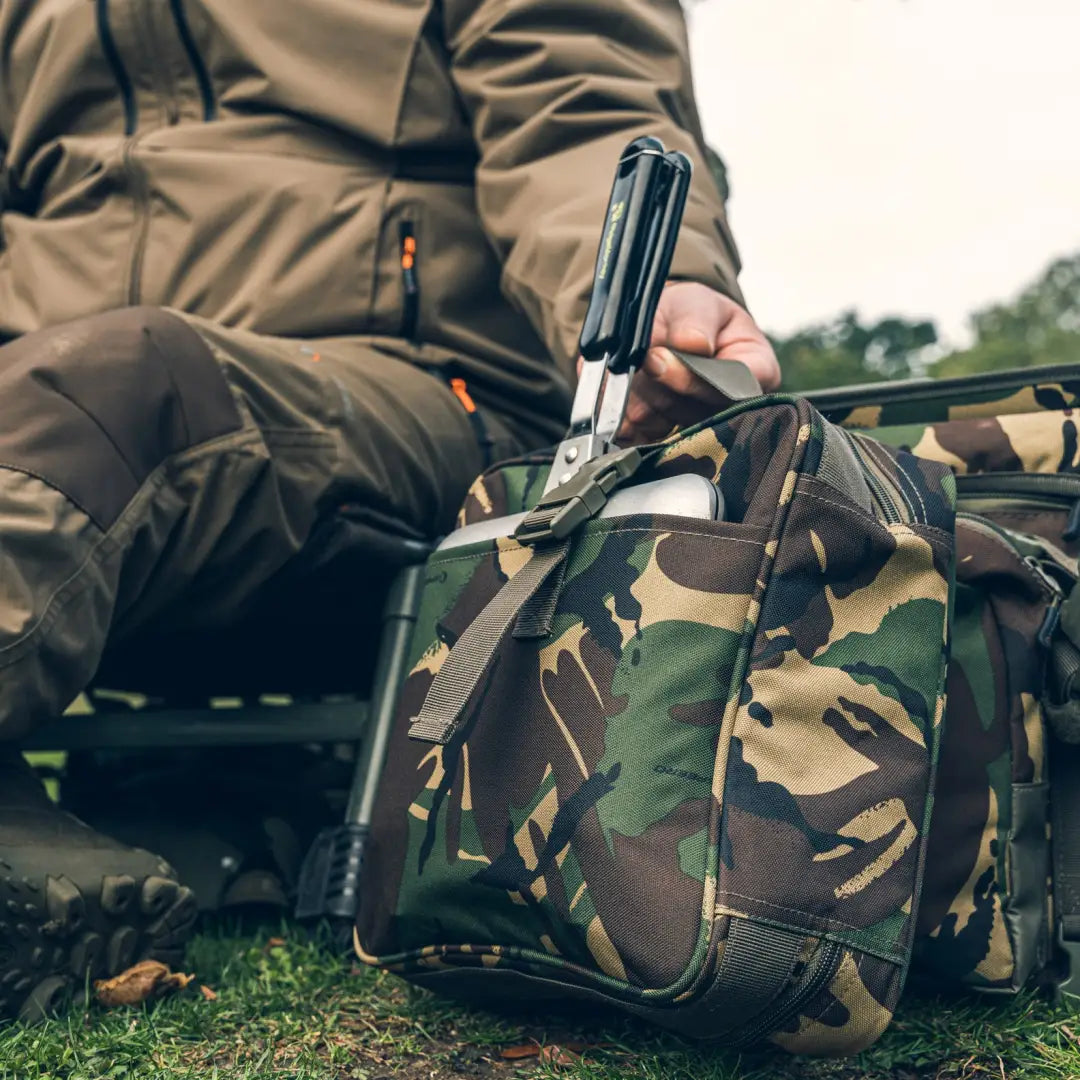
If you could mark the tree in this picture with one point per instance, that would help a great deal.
(1041, 326)
(846, 351)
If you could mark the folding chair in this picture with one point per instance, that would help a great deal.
(108, 720)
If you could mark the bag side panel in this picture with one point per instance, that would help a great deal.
(575, 823)
(981, 920)
(983, 396)
(834, 745)
(1032, 442)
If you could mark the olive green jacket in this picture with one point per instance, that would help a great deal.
(427, 174)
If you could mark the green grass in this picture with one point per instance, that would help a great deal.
(300, 1011)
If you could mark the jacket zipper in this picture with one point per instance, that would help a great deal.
(134, 172)
(818, 975)
(141, 198)
(410, 308)
(1013, 485)
(112, 57)
(198, 66)
(161, 77)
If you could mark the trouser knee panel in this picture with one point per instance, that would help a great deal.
(94, 406)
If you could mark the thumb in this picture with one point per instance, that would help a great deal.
(689, 317)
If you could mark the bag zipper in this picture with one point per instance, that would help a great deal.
(818, 975)
(887, 496)
(1010, 485)
(1038, 569)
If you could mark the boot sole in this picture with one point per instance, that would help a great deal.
(59, 931)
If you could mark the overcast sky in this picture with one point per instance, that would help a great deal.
(913, 156)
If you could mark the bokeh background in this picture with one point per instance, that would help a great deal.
(905, 178)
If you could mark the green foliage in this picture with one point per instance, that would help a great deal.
(846, 351)
(1040, 326)
(291, 1008)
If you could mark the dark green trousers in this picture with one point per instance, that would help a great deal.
(157, 471)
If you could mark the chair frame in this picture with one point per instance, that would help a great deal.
(329, 879)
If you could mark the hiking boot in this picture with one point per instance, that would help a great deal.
(239, 844)
(74, 904)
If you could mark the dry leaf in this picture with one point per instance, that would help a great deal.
(514, 1053)
(207, 993)
(553, 1054)
(275, 943)
(559, 1056)
(145, 980)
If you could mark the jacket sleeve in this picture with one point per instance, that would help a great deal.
(554, 90)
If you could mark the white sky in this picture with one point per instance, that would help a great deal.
(911, 156)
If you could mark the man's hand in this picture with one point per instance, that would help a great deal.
(695, 319)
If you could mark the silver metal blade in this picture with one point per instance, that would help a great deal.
(581, 443)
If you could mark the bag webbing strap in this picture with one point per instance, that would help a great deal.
(1064, 760)
(757, 965)
(471, 656)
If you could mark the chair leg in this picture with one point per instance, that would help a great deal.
(330, 877)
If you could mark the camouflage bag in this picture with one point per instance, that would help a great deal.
(693, 777)
(1011, 727)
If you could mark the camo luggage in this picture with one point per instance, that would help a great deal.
(986, 918)
(694, 781)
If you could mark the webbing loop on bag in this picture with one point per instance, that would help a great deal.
(757, 966)
(471, 657)
(522, 601)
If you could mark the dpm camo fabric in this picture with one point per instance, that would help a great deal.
(729, 721)
(984, 918)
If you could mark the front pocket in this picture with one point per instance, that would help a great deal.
(993, 749)
(587, 849)
(1047, 504)
(833, 749)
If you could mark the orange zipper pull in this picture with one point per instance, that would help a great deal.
(461, 392)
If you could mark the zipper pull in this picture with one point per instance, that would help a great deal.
(410, 284)
(1049, 624)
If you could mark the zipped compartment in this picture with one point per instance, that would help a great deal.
(1052, 491)
(410, 283)
(892, 503)
(818, 974)
(1043, 573)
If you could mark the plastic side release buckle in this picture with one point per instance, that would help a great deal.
(562, 509)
